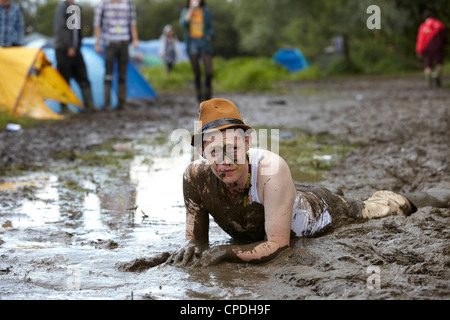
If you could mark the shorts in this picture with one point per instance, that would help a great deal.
(305, 220)
(198, 46)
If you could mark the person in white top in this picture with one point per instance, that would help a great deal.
(251, 195)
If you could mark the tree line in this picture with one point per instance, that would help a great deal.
(260, 27)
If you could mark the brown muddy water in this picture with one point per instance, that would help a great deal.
(89, 231)
(67, 231)
(86, 205)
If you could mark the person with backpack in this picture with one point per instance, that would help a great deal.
(430, 45)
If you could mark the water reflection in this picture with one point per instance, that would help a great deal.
(159, 193)
(92, 212)
(43, 208)
(152, 195)
(91, 218)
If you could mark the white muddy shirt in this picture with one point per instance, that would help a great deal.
(303, 221)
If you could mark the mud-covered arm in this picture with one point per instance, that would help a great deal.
(197, 222)
(258, 252)
(197, 218)
(278, 199)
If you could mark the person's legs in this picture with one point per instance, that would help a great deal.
(345, 211)
(122, 64)
(434, 197)
(197, 75)
(64, 67)
(169, 67)
(110, 54)
(428, 61)
(437, 73)
(81, 77)
(318, 202)
(63, 64)
(207, 62)
(385, 203)
(321, 205)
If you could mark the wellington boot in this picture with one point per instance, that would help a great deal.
(107, 95)
(434, 197)
(122, 96)
(436, 75)
(87, 97)
(428, 79)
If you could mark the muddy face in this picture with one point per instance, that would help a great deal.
(203, 191)
(225, 152)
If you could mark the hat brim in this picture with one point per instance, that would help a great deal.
(199, 136)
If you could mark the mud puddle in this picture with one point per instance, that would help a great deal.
(73, 231)
(94, 217)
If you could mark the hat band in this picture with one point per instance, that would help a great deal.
(218, 123)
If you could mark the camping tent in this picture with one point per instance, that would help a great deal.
(137, 86)
(27, 78)
(152, 48)
(292, 59)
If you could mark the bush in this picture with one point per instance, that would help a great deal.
(340, 67)
(370, 57)
(247, 74)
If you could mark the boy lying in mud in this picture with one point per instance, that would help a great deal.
(251, 195)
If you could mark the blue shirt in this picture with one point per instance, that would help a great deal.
(11, 25)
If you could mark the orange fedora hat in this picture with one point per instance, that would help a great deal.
(217, 114)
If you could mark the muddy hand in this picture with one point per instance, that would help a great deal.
(215, 255)
(188, 254)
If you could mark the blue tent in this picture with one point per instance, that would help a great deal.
(292, 59)
(137, 86)
(151, 47)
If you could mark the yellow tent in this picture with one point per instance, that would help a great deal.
(26, 79)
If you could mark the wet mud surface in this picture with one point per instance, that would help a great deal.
(79, 227)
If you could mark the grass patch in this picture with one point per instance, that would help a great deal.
(233, 75)
(7, 117)
(310, 157)
(262, 74)
(180, 79)
(99, 156)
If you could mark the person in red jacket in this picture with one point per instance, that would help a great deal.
(431, 43)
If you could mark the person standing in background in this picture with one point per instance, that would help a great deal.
(197, 21)
(70, 62)
(115, 25)
(168, 47)
(430, 45)
(11, 24)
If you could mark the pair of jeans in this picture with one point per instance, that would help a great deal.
(116, 51)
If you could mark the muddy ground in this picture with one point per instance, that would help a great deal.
(403, 131)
